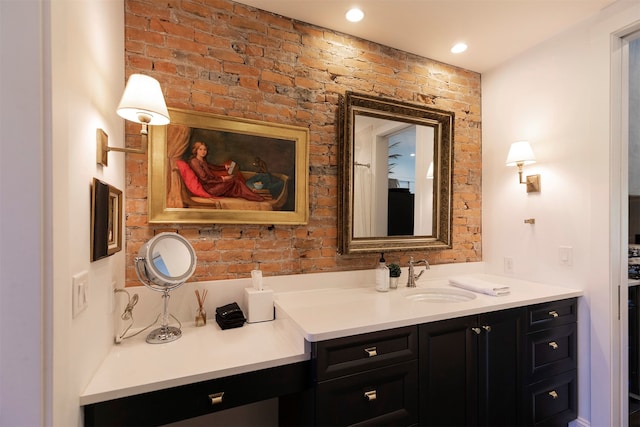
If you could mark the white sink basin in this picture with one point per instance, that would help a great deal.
(440, 295)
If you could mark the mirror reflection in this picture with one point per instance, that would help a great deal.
(160, 265)
(171, 257)
(395, 174)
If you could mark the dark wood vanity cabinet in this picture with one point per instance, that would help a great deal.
(470, 370)
(514, 367)
(369, 379)
(551, 361)
(634, 341)
(192, 400)
(365, 380)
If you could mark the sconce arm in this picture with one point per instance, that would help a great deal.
(520, 165)
(103, 148)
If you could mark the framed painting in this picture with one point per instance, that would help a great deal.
(206, 168)
(106, 220)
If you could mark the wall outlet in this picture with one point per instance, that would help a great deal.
(80, 293)
(508, 264)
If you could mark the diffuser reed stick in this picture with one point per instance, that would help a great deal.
(201, 314)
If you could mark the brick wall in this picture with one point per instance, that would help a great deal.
(226, 58)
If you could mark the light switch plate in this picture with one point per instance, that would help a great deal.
(508, 265)
(80, 293)
(565, 254)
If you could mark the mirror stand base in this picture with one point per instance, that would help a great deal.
(164, 334)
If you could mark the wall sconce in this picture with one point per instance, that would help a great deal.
(521, 154)
(142, 102)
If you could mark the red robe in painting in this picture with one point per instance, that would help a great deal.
(211, 178)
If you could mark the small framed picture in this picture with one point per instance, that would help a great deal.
(106, 220)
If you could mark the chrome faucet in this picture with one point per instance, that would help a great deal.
(411, 282)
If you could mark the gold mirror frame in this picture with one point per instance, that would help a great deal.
(442, 122)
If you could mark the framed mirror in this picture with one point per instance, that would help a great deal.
(395, 174)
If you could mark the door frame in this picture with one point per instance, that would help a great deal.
(620, 208)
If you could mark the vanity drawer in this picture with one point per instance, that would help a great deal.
(381, 397)
(552, 314)
(553, 401)
(551, 352)
(354, 354)
(183, 402)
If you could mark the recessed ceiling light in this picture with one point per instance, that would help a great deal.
(459, 48)
(354, 15)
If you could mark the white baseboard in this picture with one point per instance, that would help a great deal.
(580, 422)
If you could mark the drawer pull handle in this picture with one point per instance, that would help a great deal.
(553, 313)
(371, 351)
(487, 328)
(476, 330)
(216, 398)
(370, 395)
(553, 345)
(553, 394)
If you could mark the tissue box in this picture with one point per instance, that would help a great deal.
(259, 305)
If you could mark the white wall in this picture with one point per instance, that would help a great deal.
(557, 96)
(61, 76)
(87, 63)
(23, 270)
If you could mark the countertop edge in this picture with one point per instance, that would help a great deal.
(322, 336)
(289, 336)
(120, 374)
(91, 398)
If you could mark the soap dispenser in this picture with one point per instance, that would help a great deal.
(382, 275)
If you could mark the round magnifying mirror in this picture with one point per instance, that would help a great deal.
(164, 263)
(169, 260)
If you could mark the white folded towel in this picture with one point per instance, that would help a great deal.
(478, 285)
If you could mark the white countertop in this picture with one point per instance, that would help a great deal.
(323, 314)
(202, 353)
(313, 314)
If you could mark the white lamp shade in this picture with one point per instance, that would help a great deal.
(143, 102)
(520, 152)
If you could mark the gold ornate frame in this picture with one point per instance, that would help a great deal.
(165, 178)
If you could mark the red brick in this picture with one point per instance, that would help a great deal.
(292, 73)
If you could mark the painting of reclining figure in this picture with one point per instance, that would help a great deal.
(212, 169)
(220, 165)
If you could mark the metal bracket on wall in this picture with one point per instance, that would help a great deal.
(533, 183)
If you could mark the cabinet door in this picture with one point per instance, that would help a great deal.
(448, 381)
(500, 359)
(380, 397)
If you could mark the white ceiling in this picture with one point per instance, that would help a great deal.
(495, 30)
